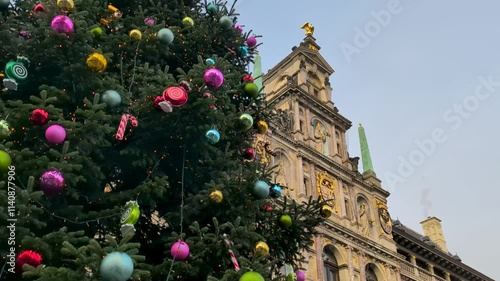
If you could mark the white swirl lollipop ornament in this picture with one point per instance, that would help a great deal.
(130, 217)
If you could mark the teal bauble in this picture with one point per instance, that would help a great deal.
(166, 36)
(261, 189)
(212, 8)
(111, 98)
(212, 136)
(243, 51)
(116, 266)
(226, 22)
(251, 276)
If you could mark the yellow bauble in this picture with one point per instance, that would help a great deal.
(216, 196)
(135, 34)
(65, 5)
(262, 249)
(97, 62)
(326, 211)
(187, 21)
(262, 127)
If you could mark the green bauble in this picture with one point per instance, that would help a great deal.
(226, 22)
(251, 90)
(131, 214)
(247, 120)
(286, 221)
(4, 130)
(251, 276)
(97, 32)
(5, 161)
(291, 277)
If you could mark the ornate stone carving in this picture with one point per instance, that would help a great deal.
(326, 186)
(384, 217)
(285, 121)
(354, 163)
(260, 147)
(364, 220)
(321, 137)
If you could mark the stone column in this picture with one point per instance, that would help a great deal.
(314, 192)
(414, 263)
(300, 174)
(362, 265)
(340, 190)
(349, 262)
(296, 115)
(319, 256)
(448, 276)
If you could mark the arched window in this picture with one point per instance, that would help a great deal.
(370, 273)
(331, 267)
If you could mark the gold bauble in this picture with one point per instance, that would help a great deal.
(65, 5)
(262, 127)
(135, 34)
(261, 248)
(216, 196)
(187, 21)
(326, 211)
(97, 62)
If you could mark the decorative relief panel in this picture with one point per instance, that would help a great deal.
(384, 218)
(326, 186)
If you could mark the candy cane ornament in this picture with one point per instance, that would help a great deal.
(231, 253)
(123, 125)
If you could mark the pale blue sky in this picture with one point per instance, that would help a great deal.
(412, 72)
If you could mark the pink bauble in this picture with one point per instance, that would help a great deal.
(251, 42)
(55, 134)
(238, 28)
(62, 24)
(52, 183)
(300, 275)
(213, 78)
(180, 250)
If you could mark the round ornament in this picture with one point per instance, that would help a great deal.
(226, 22)
(97, 31)
(16, 71)
(135, 35)
(251, 90)
(111, 98)
(96, 62)
(251, 276)
(116, 266)
(251, 41)
(39, 117)
(216, 196)
(213, 78)
(166, 36)
(62, 24)
(131, 214)
(177, 96)
(55, 134)
(326, 211)
(212, 8)
(65, 5)
(52, 182)
(275, 191)
(261, 248)
(238, 28)
(262, 127)
(39, 8)
(149, 21)
(213, 136)
(156, 102)
(247, 120)
(291, 277)
(301, 276)
(5, 161)
(247, 78)
(243, 50)
(210, 61)
(4, 4)
(4, 129)
(285, 221)
(188, 22)
(249, 154)
(261, 189)
(180, 250)
(28, 257)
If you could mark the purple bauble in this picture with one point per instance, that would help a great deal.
(149, 21)
(213, 78)
(62, 24)
(300, 275)
(55, 134)
(180, 250)
(52, 183)
(238, 28)
(251, 42)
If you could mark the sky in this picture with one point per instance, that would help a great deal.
(423, 77)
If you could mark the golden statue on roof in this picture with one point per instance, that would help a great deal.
(309, 28)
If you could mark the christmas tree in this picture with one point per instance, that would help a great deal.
(127, 147)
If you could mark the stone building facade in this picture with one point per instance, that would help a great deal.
(310, 150)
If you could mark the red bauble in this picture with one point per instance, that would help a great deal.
(207, 95)
(39, 8)
(39, 117)
(28, 257)
(247, 78)
(249, 153)
(177, 96)
(156, 102)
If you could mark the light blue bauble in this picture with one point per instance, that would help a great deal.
(244, 51)
(261, 189)
(226, 22)
(166, 36)
(210, 61)
(213, 136)
(111, 98)
(276, 191)
(116, 266)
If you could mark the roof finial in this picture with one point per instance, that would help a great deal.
(365, 152)
(309, 28)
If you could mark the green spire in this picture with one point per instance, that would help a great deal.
(365, 152)
(257, 71)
